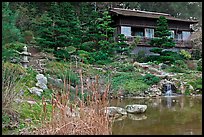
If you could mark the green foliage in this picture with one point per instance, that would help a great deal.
(122, 47)
(57, 28)
(185, 54)
(30, 78)
(199, 65)
(88, 46)
(151, 79)
(28, 37)
(135, 86)
(62, 71)
(156, 50)
(11, 79)
(6, 119)
(105, 33)
(162, 34)
(140, 57)
(197, 84)
(10, 32)
(120, 81)
(126, 68)
(61, 54)
(85, 56)
(196, 54)
(178, 67)
(34, 112)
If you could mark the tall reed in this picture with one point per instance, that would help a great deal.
(77, 116)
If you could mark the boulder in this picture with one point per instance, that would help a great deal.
(111, 111)
(42, 81)
(41, 85)
(41, 78)
(136, 108)
(35, 90)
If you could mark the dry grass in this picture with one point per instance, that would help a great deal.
(10, 86)
(89, 118)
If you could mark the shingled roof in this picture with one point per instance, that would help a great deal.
(147, 14)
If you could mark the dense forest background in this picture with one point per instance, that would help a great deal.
(81, 25)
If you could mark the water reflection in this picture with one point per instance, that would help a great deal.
(164, 115)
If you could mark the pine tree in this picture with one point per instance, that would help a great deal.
(10, 33)
(59, 27)
(105, 33)
(162, 34)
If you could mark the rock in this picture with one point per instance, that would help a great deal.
(182, 88)
(136, 117)
(136, 108)
(191, 88)
(42, 81)
(41, 78)
(31, 102)
(35, 90)
(145, 92)
(41, 85)
(115, 110)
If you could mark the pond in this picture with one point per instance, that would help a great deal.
(181, 115)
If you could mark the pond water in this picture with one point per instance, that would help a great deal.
(179, 115)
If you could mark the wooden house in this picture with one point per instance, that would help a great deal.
(142, 24)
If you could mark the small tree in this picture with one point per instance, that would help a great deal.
(162, 34)
(105, 33)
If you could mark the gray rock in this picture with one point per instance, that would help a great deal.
(42, 81)
(115, 110)
(41, 85)
(41, 78)
(136, 108)
(35, 90)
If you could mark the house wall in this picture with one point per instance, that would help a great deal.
(151, 23)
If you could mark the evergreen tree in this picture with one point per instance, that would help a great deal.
(10, 33)
(59, 27)
(162, 34)
(105, 33)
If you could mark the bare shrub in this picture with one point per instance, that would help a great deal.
(77, 116)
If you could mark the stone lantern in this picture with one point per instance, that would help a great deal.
(25, 55)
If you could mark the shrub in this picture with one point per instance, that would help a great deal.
(156, 50)
(180, 64)
(61, 54)
(126, 68)
(185, 54)
(85, 56)
(140, 57)
(87, 46)
(165, 59)
(197, 84)
(62, 71)
(196, 54)
(151, 79)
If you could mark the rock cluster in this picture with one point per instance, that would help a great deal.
(41, 85)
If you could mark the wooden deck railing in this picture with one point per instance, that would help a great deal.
(145, 41)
